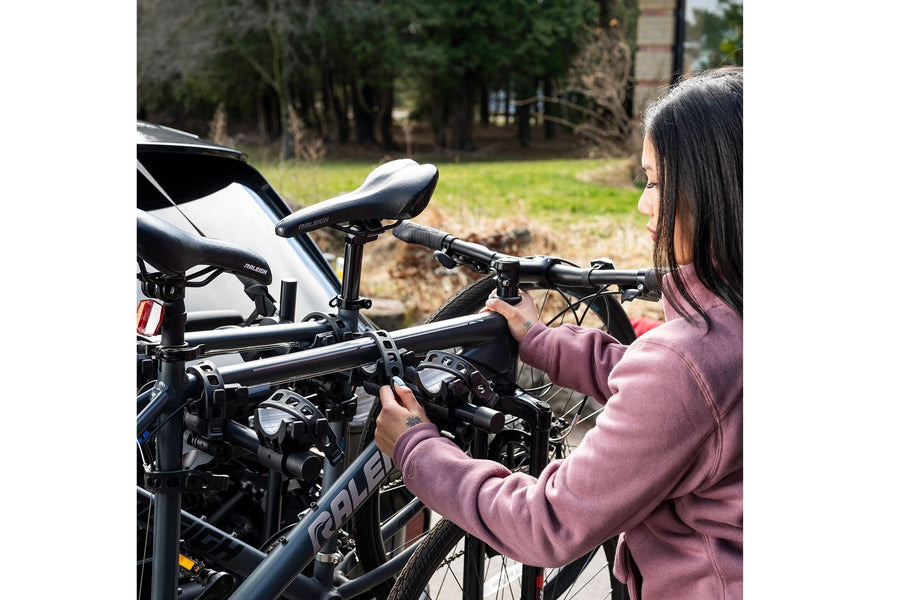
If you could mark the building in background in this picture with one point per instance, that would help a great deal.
(676, 37)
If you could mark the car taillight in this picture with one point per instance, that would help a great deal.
(149, 317)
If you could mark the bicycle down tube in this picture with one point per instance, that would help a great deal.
(276, 573)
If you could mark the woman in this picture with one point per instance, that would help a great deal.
(663, 464)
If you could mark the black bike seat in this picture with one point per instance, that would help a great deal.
(397, 190)
(174, 251)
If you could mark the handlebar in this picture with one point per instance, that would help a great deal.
(544, 271)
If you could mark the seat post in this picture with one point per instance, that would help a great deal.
(349, 303)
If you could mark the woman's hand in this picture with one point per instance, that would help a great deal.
(519, 317)
(398, 413)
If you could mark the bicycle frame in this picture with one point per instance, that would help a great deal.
(276, 573)
(462, 331)
(343, 491)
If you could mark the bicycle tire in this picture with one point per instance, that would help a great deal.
(606, 313)
(435, 572)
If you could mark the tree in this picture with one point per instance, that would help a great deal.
(599, 80)
(273, 37)
(169, 68)
(454, 44)
(234, 52)
(375, 49)
(716, 37)
(466, 47)
(555, 36)
(336, 63)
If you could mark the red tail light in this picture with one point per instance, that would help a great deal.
(149, 317)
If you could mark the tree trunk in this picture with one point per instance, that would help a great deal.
(523, 124)
(462, 119)
(309, 114)
(386, 118)
(341, 116)
(506, 97)
(363, 117)
(287, 134)
(551, 109)
(262, 119)
(335, 111)
(328, 108)
(437, 119)
(484, 105)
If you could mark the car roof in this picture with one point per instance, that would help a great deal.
(152, 137)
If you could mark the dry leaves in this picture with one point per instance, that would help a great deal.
(407, 272)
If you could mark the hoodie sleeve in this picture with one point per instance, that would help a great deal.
(574, 357)
(644, 447)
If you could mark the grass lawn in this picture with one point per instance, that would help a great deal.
(556, 192)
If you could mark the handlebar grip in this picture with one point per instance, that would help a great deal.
(651, 280)
(423, 235)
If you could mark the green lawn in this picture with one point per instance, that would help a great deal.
(554, 192)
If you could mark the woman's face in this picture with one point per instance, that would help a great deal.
(649, 205)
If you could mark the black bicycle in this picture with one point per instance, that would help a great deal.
(281, 417)
(245, 453)
(451, 564)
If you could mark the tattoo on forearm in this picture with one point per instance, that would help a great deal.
(527, 325)
(413, 421)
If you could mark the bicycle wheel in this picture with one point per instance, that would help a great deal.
(436, 572)
(572, 411)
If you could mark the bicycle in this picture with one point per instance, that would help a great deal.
(323, 356)
(547, 275)
(214, 403)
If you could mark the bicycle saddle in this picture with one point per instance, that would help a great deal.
(397, 190)
(174, 251)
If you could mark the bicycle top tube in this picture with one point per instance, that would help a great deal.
(461, 331)
(232, 339)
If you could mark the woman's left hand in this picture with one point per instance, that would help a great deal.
(398, 413)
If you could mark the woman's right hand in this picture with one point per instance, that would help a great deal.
(519, 317)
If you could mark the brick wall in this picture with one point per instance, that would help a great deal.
(654, 61)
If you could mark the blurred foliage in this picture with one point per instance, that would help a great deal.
(715, 37)
(341, 65)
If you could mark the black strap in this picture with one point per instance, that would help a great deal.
(391, 361)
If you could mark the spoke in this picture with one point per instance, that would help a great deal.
(509, 576)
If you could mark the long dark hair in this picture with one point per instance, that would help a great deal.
(697, 131)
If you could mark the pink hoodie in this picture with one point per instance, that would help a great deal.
(663, 464)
